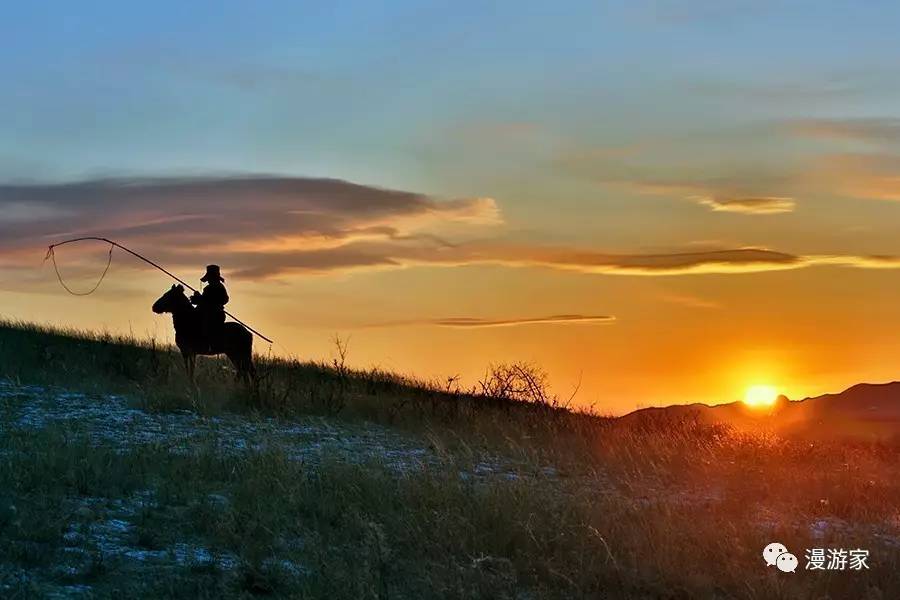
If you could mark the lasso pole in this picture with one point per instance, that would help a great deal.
(153, 264)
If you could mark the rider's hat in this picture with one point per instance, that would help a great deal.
(212, 274)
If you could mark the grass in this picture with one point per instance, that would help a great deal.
(664, 509)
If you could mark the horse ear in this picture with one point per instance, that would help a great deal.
(174, 286)
(180, 288)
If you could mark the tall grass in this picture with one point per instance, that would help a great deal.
(497, 408)
(588, 506)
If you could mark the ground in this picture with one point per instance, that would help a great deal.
(119, 480)
(114, 528)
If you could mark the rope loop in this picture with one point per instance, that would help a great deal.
(52, 256)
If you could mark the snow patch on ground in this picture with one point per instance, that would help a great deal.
(104, 532)
(108, 420)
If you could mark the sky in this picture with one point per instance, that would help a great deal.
(655, 202)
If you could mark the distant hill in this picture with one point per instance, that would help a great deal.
(867, 410)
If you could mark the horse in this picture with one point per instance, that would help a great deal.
(236, 342)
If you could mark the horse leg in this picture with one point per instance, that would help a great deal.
(248, 371)
(190, 364)
(243, 366)
(238, 370)
(251, 369)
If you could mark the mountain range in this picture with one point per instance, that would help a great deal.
(865, 410)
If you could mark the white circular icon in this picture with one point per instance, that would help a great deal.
(786, 562)
(772, 551)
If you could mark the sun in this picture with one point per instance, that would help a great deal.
(760, 395)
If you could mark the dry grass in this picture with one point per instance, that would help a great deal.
(587, 508)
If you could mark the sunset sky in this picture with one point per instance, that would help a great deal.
(667, 202)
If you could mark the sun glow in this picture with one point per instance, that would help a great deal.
(760, 395)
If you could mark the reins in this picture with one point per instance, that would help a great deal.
(52, 256)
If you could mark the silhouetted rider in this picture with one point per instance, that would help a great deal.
(211, 304)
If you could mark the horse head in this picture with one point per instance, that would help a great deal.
(172, 301)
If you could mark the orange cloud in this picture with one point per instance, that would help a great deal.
(736, 193)
(740, 260)
(263, 227)
(473, 322)
(762, 205)
(689, 301)
(383, 256)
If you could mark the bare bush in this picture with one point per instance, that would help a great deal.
(519, 381)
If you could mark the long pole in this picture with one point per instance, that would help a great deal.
(153, 264)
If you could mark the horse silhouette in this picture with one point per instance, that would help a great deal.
(235, 341)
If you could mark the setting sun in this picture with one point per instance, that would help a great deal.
(760, 395)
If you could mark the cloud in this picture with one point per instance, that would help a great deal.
(474, 323)
(739, 260)
(23, 212)
(676, 263)
(380, 256)
(370, 256)
(770, 205)
(557, 319)
(271, 227)
(726, 194)
(477, 211)
(873, 261)
(874, 175)
(733, 261)
(208, 215)
(744, 192)
(871, 130)
(689, 300)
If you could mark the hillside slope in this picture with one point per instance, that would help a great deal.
(118, 480)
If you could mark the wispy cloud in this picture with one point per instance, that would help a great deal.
(232, 213)
(267, 227)
(726, 194)
(676, 263)
(745, 191)
(380, 256)
(689, 300)
(740, 260)
(770, 205)
(475, 323)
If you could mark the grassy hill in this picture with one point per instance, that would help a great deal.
(119, 480)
